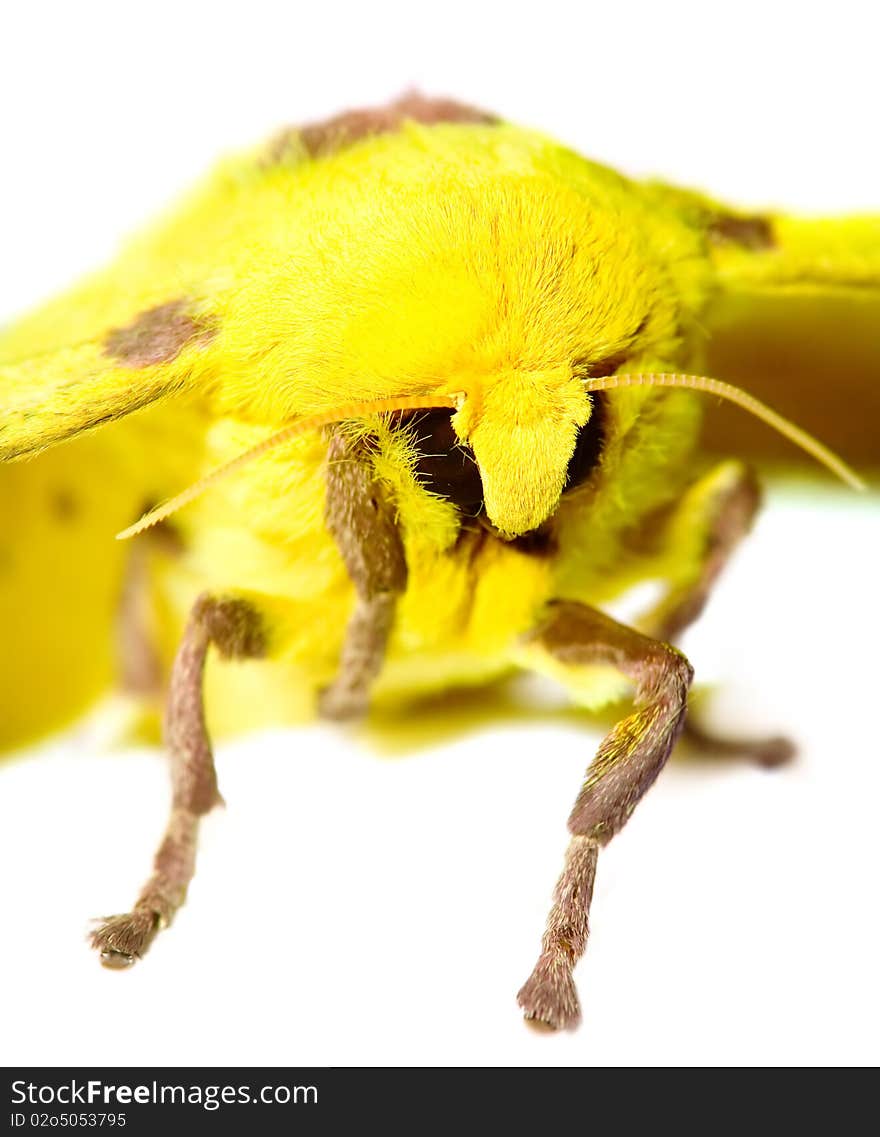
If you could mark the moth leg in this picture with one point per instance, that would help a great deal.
(626, 764)
(234, 627)
(362, 521)
(139, 663)
(722, 508)
(139, 667)
(776, 750)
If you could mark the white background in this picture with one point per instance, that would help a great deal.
(366, 903)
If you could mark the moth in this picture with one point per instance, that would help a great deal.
(401, 401)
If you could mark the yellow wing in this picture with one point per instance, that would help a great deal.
(49, 397)
(62, 574)
(122, 342)
(797, 322)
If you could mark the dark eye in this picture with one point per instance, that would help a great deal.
(589, 445)
(445, 465)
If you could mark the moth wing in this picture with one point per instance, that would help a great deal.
(796, 321)
(143, 328)
(53, 395)
(92, 357)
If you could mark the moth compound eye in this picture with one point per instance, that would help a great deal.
(588, 448)
(445, 465)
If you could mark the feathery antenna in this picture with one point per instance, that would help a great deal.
(742, 399)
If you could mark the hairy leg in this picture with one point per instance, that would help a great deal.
(626, 765)
(722, 508)
(233, 626)
(775, 750)
(140, 668)
(363, 524)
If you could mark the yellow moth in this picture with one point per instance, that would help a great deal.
(403, 401)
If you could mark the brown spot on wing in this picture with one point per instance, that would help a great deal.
(157, 336)
(63, 505)
(753, 232)
(330, 135)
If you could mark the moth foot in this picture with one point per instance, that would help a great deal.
(548, 997)
(342, 704)
(766, 752)
(122, 940)
(770, 752)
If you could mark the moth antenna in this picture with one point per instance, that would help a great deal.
(743, 399)
(302, 426)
